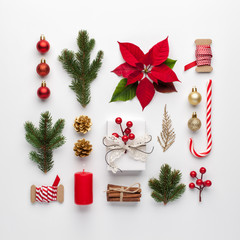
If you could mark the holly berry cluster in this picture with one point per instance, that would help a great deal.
(199, 182)
(43, 68)
(127, 133)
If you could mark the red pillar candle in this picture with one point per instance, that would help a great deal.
(83, 188)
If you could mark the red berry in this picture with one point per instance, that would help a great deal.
(116, 135)
(191, 185)
(127, 131)
(129, 124)
(118, 120)
(125, 138)
(193, 174)
(202, 170)
(131, 136)
(199, 182)
(207, 183)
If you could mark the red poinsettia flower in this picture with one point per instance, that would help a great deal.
(147, 69)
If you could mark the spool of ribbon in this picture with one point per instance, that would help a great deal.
(48, 194)
(117, 193)
(203, 55)
(117, 148)
(208, 126)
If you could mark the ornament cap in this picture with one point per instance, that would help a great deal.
(43, 84)
(42, 37)
(43, 60)
(194, 115)
(194, 89)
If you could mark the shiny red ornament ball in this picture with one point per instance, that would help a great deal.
(43, 92)
(116, 135)
(129, 124)
(193, 174)
(131, 136)
(202, 170)
(191, 185)
(207, 183)
(118, 120)
(127, 131)
(43, 45)
(125, 138)
(199, 182)
(42, 68)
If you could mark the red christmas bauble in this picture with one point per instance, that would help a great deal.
(42, 68)
(193, 174)
(191, 185)
(116, 135)
(131, 136)
(43, 45)
(202, 170)
(118, 120)
(199, 182)
(129, 124)
(125, 138)
(207, 183)
(127, 131)
(43, 92)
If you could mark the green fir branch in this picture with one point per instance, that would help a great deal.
(80, 68)
(167, 188)
(44, 139)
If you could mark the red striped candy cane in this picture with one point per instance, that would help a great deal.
(208, 126)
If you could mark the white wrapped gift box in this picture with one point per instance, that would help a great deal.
(126, 162)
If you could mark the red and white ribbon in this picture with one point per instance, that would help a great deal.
(47, 193)
(208, 126)
(203, 57)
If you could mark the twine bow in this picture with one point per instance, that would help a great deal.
(117, 148)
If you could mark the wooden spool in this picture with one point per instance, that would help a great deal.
(203, 69)
(60, 193)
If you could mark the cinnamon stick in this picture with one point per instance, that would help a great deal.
(125, 195)
(116, 186)
(123, 200)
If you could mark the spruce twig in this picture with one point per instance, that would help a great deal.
(167, 135)
(78, 66)
(44, 139)
(167, 187)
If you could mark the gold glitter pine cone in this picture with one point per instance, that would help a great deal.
(82, 124)
(82, 148)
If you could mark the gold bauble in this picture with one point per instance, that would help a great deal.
(194, 97)
(194, 123)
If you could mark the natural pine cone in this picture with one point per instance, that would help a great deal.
(82, 148)
(82, 124)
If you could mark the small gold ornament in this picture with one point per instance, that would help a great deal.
(194, 123)
(82, 124)
(82, 148)
(194, 97)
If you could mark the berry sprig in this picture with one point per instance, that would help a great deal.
(199, 182)
(127, 133)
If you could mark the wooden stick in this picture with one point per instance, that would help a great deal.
(125, 195)
(203, 68)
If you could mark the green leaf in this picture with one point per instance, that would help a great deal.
(123, 92)
(170, 62)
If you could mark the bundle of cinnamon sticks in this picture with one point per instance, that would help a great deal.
(117, 193)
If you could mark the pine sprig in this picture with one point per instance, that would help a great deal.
(79, 67)
(167, 188)
(167, 135)
(44, 139)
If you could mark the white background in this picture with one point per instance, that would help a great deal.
(143, 23)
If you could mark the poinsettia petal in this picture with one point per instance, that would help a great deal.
(153, 78)
(124, 70)
(145, 92)
(164, 73)
(134, 77)
(158, 53)
(147, 59)
(164, 87)
(131, 53)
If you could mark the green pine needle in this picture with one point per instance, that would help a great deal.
(79, 67)
(167, 188)
(44, 139)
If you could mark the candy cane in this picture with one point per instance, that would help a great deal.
(208, 126)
